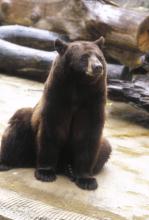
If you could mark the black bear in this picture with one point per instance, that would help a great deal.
(63, 132)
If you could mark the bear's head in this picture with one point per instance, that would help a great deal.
(83, 57)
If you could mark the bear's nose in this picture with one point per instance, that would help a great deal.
(97, 68)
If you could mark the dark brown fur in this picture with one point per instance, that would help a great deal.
(63, 133)
(17, 145)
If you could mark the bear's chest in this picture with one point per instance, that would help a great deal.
(79, 96)
(75, 100)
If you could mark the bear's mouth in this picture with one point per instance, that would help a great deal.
(94, 74)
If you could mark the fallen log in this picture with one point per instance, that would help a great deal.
(126, 31)
(25, 62)
(30, 37)
(136, 92)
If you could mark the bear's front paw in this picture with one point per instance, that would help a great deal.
(46, 175)
(87, 183)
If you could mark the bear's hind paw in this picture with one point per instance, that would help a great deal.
(87, 183)
(45, 175)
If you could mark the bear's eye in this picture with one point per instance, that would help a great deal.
(84, 58)
(99, 58)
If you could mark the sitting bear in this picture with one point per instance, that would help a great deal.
(63, 132)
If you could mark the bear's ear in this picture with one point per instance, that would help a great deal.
(60, 46)
(100, 42)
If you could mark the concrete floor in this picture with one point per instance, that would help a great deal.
(123, 191)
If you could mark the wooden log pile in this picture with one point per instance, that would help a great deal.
(126, 31)
(26, 49)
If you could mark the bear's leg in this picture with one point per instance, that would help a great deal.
(86, 182)
(47, 155)
(53, 132)
(17, 148)
(86, 134)
(104, 154)
(82, 166)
